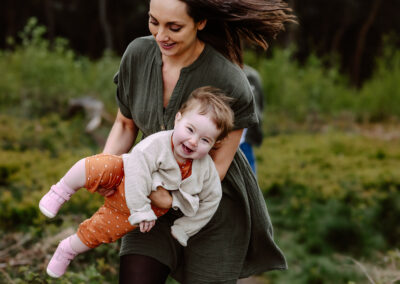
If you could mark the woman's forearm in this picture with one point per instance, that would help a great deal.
(122, 136)
(224, 154)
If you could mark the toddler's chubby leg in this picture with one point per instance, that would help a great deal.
(107, 225)
(61, 192)
(64, 254)
(101, 170)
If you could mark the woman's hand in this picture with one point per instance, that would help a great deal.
(161, 198)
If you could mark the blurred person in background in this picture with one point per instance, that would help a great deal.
(252, 136)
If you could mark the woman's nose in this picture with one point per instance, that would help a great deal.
(162, 34)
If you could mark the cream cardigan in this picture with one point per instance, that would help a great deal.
(150, 164)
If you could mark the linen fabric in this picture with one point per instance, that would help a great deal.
(151, 164)
(238, 240)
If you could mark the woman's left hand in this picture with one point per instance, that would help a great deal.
(161, 198)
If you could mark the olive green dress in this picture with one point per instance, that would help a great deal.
(238, 241)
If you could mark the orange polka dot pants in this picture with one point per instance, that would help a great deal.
(110, 222)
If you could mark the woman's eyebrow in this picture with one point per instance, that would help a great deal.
(169, 23)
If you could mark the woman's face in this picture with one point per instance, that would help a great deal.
(174, 30)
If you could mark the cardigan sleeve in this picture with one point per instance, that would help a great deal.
(138, 167)
(209, 199)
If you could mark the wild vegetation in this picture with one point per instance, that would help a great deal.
(328, 166)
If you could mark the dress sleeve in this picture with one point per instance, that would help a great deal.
(122, 101)
(243, 104)
(125, 79)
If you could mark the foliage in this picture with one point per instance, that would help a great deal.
(330, 194)
(312, 93)
(300, 90)
(39, 78)
(379, 98)
(21, 134)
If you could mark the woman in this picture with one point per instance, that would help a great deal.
(196, 43)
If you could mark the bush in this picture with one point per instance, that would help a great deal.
(379, 98)
(40, 78)
(311, 92)
(297, 91)
(330, 194)
(50, 134)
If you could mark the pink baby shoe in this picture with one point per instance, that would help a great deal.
(61, 259)
(54, 199)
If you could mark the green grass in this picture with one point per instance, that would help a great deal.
(332, 197)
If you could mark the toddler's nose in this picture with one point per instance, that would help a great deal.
(193, 141)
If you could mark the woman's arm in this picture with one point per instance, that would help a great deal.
(223, 155)
(122, 135)
(120, 140)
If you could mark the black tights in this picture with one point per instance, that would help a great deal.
(142, 269)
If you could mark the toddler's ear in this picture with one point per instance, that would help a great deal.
(178, 116)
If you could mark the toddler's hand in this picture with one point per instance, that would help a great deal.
(106, 192)
(145, 226)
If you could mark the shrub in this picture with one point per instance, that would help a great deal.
(332, 188)
(379, 98)
(314, 92)
(40, 78)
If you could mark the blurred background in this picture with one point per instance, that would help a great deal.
(329, 164)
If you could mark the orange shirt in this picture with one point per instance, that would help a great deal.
(185, 167)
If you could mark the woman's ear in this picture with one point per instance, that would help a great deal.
(201, 24)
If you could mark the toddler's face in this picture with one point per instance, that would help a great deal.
(194, 135)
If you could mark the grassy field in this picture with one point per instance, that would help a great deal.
(335, 202)
(329, 166)
(333, 197)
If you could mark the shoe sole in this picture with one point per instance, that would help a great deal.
(52, 274)
(46, 212)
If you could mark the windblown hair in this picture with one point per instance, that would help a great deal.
(230, 21)
(214, 102)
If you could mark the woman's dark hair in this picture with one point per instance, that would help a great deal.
(230, 21)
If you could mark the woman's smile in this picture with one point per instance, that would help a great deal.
(167, 46)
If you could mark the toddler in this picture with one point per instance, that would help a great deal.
(176, 160)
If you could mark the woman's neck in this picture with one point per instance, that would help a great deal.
(183, 60)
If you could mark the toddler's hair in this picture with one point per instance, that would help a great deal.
(214, 102)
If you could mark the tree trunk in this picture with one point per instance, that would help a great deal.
(105, 25)
(290, 34)
(49, 19)
(361, 41)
